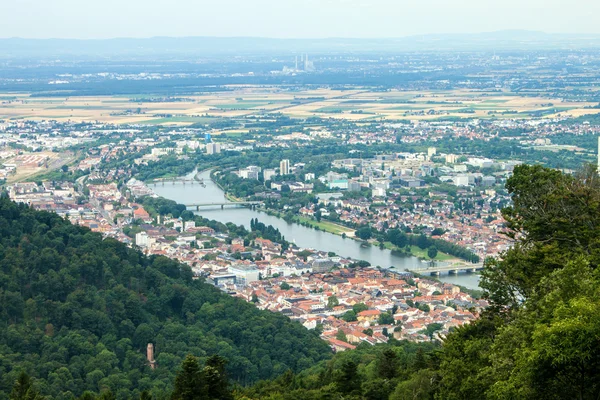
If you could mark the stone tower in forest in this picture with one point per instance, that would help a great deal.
(150, 355)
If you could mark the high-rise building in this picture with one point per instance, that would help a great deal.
(268, 174)
(213, 148)
(284, 167)
(141, 239)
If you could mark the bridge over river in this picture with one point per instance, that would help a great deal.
(190, 181)
(251, 204)
(453, 269)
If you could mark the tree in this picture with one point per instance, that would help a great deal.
(364, 233)
(145, 395)
(217, 385)
(422, 241)
(340, 335)
(188, 382)
(387, 364)
(348, 381)
(432, 328)
(438, 232)
(553, 217)
(386, 318)
(284, 286)
(332, 302)
(432, 252)
(349, 316)
(23, 389)
(359, 307)
(420, 386)
(534, 342)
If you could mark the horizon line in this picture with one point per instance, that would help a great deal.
(309, 38)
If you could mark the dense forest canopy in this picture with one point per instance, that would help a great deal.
(77, 313)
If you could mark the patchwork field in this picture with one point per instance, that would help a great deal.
(240, 102)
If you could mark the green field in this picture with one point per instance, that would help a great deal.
(420, 253)
(324, 225)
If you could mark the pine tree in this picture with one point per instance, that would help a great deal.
(107, 395)
(23, 389)
(188, 382)
(145, 395)
(215, 377)
(388, 364)
(348, 380)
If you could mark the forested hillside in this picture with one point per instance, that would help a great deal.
(77, 313)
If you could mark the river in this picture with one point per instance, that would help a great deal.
(302, 236)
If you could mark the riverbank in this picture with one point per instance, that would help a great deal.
(302, 235)
(421, 253)
(325, 226)
(475, 293)
(338, 229)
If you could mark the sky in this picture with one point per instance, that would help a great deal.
(98, 19)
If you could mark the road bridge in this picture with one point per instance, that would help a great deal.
(454, 269)
(190, 181)
(225, 203)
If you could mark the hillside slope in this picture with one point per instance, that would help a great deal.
(77, 313)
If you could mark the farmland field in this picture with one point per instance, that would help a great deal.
(239, 102)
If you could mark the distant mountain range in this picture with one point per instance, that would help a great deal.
(197, 46)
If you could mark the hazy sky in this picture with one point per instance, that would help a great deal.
(290, 18)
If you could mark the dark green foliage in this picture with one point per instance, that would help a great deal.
(402, 239)
(347, 378)
(215, 376)
(387, 367)
(189, 383)
(432, 252)
(358, 307)
(386, 318)
(364, 233)
(369, 372)
(536, 341)
(78, 311)
(23, 389)
(267, 232)
(349, 316)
